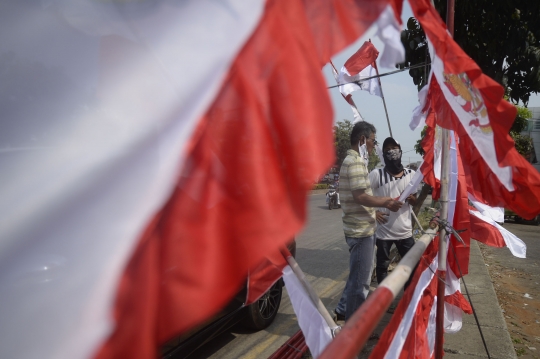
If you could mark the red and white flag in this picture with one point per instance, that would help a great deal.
(356, 114)
(315, 329)
(359, 66)
(411, 331)
(483, 162)
(484, 229)
(472, 104)
(151, 158)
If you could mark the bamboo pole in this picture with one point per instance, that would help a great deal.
(356, 331)
(441, 269)
(311, 292)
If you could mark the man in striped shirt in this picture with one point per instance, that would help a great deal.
(358, 202)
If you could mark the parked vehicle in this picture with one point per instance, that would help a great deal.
(509, 214)
(256, 316)
(332, 197)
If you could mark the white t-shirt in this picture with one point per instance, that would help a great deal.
(384, 184)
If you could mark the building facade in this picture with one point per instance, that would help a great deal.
(533, 130)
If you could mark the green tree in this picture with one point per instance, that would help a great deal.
(342, 139)
(418, 147)
(502, 37)
(523, 143)
(373, 160)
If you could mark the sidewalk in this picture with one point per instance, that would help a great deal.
(467, 343)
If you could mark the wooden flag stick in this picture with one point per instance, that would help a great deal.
(383, 100)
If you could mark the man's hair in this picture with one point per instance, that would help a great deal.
(360, 129)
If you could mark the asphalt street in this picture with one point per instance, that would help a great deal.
(323, 255)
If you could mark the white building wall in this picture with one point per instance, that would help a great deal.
(533, 130)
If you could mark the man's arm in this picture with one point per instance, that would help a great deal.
(360, 196)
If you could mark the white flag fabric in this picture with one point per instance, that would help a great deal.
(349, 85)
(315, 329)
(516, 246)
(389, 31)
(475, 121)
(357, 117)
(120, 121)
(413, 185)
(94, 150)
(495, 213)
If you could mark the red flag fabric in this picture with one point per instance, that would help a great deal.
(486, 230)
(356, 114)
(157, 161)
(485, 233)
(264, 275)
(359, 66)
(364, 57)
(406, 336)
(472, 104)
(411, 333)
(241, 194)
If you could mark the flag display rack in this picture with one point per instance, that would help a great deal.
(356, 331)
(445, 176)
(312, 294)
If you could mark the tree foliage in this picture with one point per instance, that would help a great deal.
(418, 147)
(523, 143)
(342, 139)
(501, 36)
(373, 160)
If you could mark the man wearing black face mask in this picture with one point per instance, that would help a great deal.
(392, 227)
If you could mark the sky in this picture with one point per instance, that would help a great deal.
(400, 93)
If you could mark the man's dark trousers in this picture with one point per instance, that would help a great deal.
(383, 255)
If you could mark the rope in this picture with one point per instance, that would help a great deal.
(380, 75)
(468, 296)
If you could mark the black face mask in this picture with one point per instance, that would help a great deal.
(392, 161)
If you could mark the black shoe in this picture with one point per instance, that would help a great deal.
(339, 316)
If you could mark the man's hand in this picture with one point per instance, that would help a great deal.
(411, 199)
(381, 217)
(360, 196)
(392, 204)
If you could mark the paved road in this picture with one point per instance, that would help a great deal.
(323, 255)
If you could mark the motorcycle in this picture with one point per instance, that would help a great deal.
(332, 198)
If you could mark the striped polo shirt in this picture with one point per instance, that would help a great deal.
(358, 221)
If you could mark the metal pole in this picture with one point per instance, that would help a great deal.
(439, 334)
(383, 101)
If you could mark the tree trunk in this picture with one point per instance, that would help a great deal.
(421, 198)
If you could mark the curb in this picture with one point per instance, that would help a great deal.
(468, 342)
